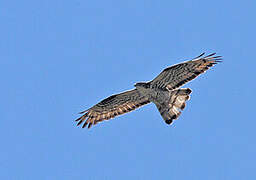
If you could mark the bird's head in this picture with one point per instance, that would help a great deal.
(141, 85)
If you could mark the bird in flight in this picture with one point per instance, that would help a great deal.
(164, 91)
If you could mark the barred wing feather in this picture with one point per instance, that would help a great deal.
(177, 75)
(112, 106)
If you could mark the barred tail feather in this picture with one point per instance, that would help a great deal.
(176, 103)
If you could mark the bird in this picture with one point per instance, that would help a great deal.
(164, 91)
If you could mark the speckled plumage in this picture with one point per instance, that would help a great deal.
(162, 91)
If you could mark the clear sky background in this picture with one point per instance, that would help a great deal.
(61, 57)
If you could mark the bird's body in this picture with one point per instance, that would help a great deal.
(163, 91)
(153, 95)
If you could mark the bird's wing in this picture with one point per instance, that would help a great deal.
(179, 74)
(112, 106)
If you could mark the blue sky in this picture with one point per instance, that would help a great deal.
(61, 57)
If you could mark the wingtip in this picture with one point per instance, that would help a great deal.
(89, 125)
(82, 112)
(200, 55)
(212, 54)
(84, 125)
(211, 57)
(79, 123)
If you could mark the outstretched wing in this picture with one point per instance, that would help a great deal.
(179, 74)
(112, 106)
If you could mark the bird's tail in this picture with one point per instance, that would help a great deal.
(177, 102)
